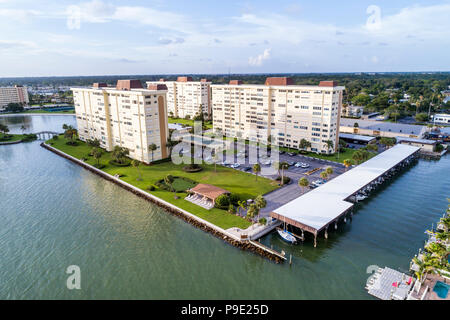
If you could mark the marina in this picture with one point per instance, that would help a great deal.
(324, 206)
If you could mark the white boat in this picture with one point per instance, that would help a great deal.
(360, 197)
(287, 236)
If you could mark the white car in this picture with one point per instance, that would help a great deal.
(236, 165)
(305, 165)
(298, 164)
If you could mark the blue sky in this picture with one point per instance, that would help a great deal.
(57, 38)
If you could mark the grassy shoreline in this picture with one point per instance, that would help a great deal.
(240, 183)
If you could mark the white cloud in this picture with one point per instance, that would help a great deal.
(258, 60)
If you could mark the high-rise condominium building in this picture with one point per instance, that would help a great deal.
(281, 110)
(186, 97)
(16, 94)
(126, 115)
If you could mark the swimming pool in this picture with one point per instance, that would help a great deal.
(441, 289)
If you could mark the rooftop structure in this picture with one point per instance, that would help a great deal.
(383, 129)
(356, 137)
(317, 209)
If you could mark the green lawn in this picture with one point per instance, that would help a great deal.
(11, 137)
(240, 183)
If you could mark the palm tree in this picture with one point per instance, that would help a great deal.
(256, 170)
(252, 211)
(119, 154)
(329, 145)
(152, 147)
(303, 183)
(97, 154)
(324, 175)
(135, 163)
(348, 163)
(329, 171)
(70, 133)
(283, 166)
(304, 144)
(215, 158)
(23, 128)
(242, 205)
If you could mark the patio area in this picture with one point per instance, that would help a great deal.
(205, 195)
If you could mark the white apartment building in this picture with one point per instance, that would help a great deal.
(185, 97)
(441, 118)
(16, 94)
(126, 115)
(353, 111)
(287, 112)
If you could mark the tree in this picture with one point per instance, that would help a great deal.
(329, 171)
(388, 142)
(119, 154)
(252, 211)
(283, 166)
(14, 107)
(152, 147)
(168, 180)
(135, 163)
(4, 128)
(93, 143)
(70, 133)
(372, 147)
(231, 209)
(303, 183)
(242, 205)
(97, 154)
(260, 203)
(329, 145)
(256, 170)
(348, 163)
(23, 128)
(360, 156)
(215, 158)
(304, 144)
(324, 175)
(356, 125)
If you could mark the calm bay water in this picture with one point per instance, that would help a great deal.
(54, 214)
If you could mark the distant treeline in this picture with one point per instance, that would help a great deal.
(424, 88)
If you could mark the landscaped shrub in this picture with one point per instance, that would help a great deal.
(99, 166)
(234, 199)
(29, 137)
(192, 168)
(151, 188)
(180, 184)
(286, 180)
(263, 221)
(222, 202)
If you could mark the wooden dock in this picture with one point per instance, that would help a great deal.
(269, 250)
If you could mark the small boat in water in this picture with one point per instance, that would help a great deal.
(360, 197)
(287, 236)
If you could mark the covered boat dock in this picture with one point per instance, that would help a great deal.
(318, 209)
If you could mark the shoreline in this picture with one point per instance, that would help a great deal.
(174, 210)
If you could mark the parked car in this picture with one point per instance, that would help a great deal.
(236, 165)
(305, 165)
(291, 154)
(282, 152)
(298, 164)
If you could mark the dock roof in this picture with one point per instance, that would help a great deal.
(318, 208)
(413, 129)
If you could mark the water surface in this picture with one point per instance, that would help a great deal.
(55, 214)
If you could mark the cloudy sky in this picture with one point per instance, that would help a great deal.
(56, 38)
